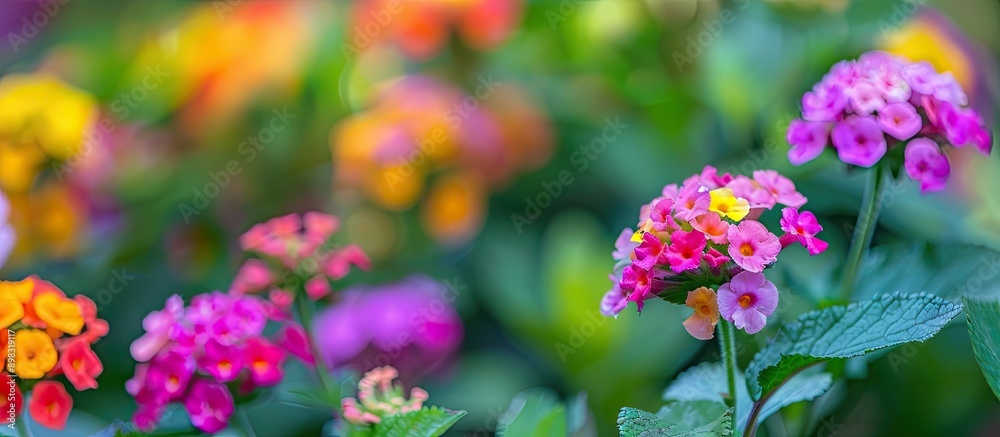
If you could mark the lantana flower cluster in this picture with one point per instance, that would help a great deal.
(293, 248)
(379, 397)
(52, 337)
(705, 233)
(200, 354)
(190, 354)
(868, 107)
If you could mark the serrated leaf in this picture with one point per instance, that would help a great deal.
(707, 382)
(847, 331)
(984, 331)
(638, 423)
(426, 422)
(534, 412)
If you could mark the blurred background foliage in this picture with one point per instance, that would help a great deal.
(497, 144)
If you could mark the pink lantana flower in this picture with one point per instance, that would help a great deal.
(752, 246)
(713, 227)
(685, 250)
(924, 162)
(801, 227)
(748, 300)
(691, 202)
(780, 188)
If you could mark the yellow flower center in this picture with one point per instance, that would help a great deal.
(746, 249)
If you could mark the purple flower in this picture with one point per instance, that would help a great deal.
(624, 245)
(823, 103)
(752, 246)
(410, 324)
(747, 301)
(614, 300)
(924, 162)
(859, 141)
(808, 139)
(210, 405)
(7, 236)
(920, 76)
(900, 120)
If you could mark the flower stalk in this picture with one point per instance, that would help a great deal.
(727, 346)
(330, 388)
(870, 207)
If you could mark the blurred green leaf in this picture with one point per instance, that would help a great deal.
(638, 423)
(533, 412)
(844, 332)
(984, 331)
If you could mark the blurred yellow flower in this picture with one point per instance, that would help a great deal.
(58, 312)
(928, 36)
(10, 311)
(34, 353)
(39, 116)
(48, 220)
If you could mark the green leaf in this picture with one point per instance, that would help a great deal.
(534, 412)
(306, 396)
(844, 332)
(984, 331)
(638, 423)
(706, 382)
(692, 413)
(801, 387)
(427, 422)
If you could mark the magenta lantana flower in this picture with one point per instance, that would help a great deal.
(264, 361)
(801, 227)
(685, 250)
(747, 301)
(651, 251)
(752, 246)
(880, 102)
(925, 162)
(209, 405)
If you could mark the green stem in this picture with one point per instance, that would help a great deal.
(727, 345)
(330, 388)
(867, 219)
(243, 423)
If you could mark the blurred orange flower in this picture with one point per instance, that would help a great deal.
(420, 133)
(420, 28)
